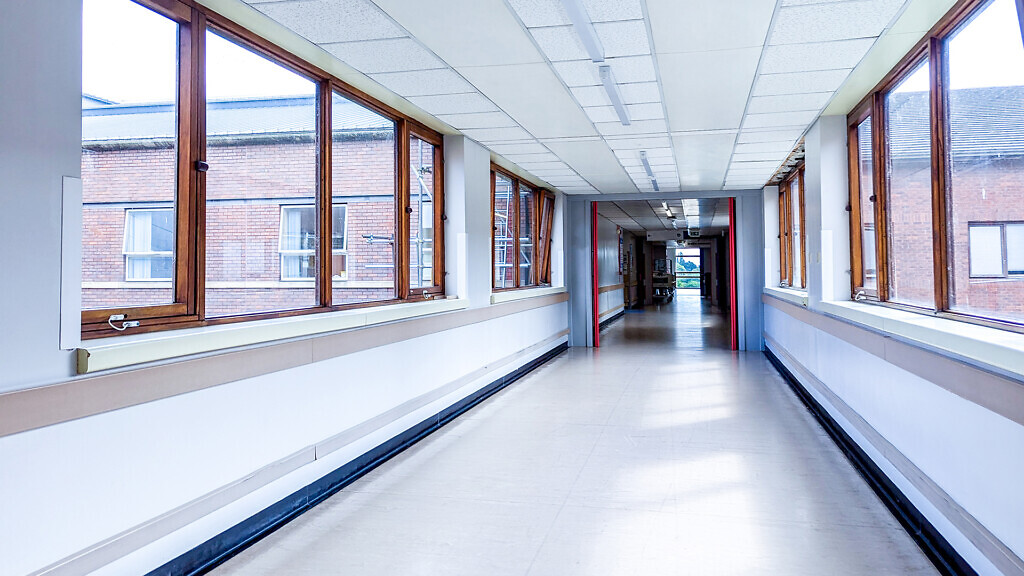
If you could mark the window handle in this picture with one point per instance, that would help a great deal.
(202, 166)
(873, 198)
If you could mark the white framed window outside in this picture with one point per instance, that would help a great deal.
(996, 250)
(148, 244)
(297, 244)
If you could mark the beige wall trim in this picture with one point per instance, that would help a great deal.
(604, 289)
(109, 550)
(994, 392)
(25, 410)
(610, 312)
(987, 543)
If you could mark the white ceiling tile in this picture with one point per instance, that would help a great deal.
(591, 96)
(640, 92)
(800, 82)
(519, 148)
(478, 120)
(788, 102)
(644, 143)
(833, 21)
(815, 56)
(321, 21)
(607, 10)
(707, 91)
(626, 38)
(454, 103)
(626, 70)
(636, 127)
(465, 32)
(708, 25)
(774, 136)
(497, 134)
(702, 159)
(594, 161)
(545, 166)
(781, 147)
(601, 113)
(535, 13)
(542, 157)
(559, 43)
(649, 111)
(758, 156)
(394, 55)
(532, 95)
(779, 119)
(424, 82)
(753, 166)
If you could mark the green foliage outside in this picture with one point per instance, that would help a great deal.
(690, 282)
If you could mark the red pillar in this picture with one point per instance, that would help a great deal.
(734, 336)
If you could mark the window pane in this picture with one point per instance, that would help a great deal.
(526, 211)
(339, 232)
(421, 219)
(986, 250)
(547, 218)
(261, 147)
(986, 82)
(504, 228)
(298, 242)
(794, 194)
(129, 154)
(1015, 248)
(867, 207)
(363, 178)
(911, 279)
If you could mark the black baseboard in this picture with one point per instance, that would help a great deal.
(222, 547)
(945, 558)
(604, 323)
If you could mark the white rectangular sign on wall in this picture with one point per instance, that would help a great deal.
(71, 264)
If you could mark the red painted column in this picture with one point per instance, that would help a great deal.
(593, 270)
(734, 336)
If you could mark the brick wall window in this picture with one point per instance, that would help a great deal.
(149, 244)
(937, 173)
(792, 244)
(521, 232)
(268, 189)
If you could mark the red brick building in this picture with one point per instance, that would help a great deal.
(260, 192)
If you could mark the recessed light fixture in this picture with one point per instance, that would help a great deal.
(584, 29)
(650, 174)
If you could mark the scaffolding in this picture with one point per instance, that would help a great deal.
(503, 240)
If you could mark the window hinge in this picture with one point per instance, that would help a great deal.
(873, 198)
(202, 166)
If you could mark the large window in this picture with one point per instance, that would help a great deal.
(521, 240)
(943, 166)
(226, 180)
(792, 244)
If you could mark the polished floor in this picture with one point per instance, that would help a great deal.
(660, 453)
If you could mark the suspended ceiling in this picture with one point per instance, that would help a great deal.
(718, 92)
(709, 215)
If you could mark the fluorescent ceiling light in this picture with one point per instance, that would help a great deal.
(584, 29)
(608, 81)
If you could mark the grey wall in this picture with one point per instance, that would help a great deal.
(578, 264)
(749, 269)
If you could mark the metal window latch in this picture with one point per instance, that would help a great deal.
(408, 209)
(202, 166)
(849, 208)
(872, 198)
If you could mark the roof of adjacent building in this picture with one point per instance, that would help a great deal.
(984, 122)
(103, 121)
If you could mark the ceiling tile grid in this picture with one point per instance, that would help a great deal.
(717, 94)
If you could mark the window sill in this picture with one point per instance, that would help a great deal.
(798, 297)
(978, 345)
(512, 295)
(121, 351)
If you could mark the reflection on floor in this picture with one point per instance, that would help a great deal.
(660, 453)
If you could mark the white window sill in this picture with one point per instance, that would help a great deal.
(980, 345)
(798, 297)
(512, 295)
(121, 351)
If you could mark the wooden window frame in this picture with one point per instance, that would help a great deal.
(187, 308)
(932, 47)
(539, 195)
(786, 220)
(858, 274)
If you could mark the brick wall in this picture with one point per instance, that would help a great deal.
(246, 187)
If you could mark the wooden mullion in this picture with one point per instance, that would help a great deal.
(783, 266)
(789, 233)
(940, 172)
(402, 209)
(803, 229)
(199, 178)
(880, 167)
(325, 196)
(858, 276)
(440, 217)
(184, 233)
(514, 218)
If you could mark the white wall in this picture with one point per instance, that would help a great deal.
(108, 479)
(971, 455)
(40, 142)
(608, 267)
